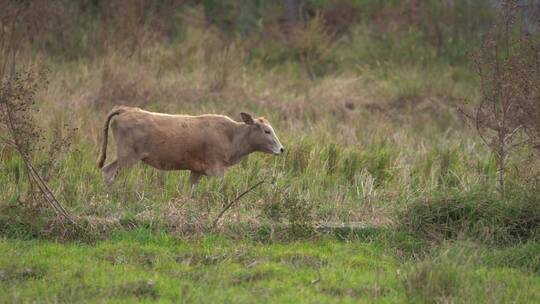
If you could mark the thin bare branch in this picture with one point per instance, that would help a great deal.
(229, 205)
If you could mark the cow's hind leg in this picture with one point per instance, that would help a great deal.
(109, 172)
(125, 158)
(217, 172)
(194, 181)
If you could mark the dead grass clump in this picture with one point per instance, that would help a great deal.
(413, 109)
(126, 83)
(294, 111)
(341, 96)
(224, 66)
(88, 229)
(184, 217)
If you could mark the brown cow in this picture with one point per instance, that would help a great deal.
(205, 144)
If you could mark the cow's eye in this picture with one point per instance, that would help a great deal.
(267, 131)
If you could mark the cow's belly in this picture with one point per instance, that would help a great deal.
(164, 164)
(179, 159)
(178, 163)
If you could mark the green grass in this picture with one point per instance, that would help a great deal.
(143, 266)
(137, 265)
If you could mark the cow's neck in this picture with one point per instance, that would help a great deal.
(240, 144)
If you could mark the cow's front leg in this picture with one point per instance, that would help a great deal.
(194, 181)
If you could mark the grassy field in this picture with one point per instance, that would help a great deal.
(142, 266)
(374, 143)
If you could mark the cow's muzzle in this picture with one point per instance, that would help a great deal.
(279, 151)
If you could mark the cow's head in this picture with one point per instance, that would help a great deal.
(261, 135)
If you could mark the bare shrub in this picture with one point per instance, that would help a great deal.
(17, 99)
(57, 148)
(527, 88)
(508, 67)
(17, 112)
(18, 88)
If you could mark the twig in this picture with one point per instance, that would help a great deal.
(229, 205)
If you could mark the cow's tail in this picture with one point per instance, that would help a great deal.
(115, 111)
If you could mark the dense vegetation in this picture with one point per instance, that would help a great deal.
(386, 193)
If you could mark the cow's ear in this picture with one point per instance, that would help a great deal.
(247, 118)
